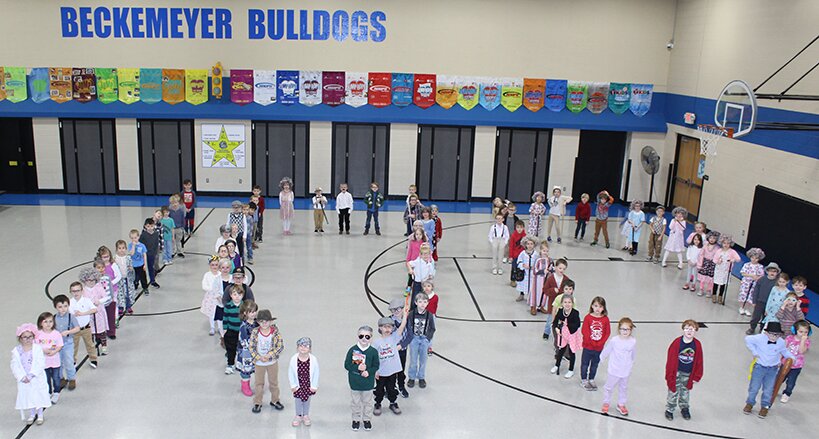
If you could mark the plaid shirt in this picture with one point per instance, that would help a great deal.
(657, 226)
(278, 344)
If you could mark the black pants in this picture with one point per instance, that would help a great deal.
(401, 377)
(759, 312)
(568, 353)
(581, 228)
(634, 247)
(260, 227)
(231, 340)
(720, 290)
(386, 385)
(150, 261)
(240, 244)
(344, 219)
(140, 277)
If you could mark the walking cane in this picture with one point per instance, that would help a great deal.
(727, 281)
(783, 373)
(326, 221)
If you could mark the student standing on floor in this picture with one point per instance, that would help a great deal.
(361, 363)
(596, 330)
(373, 199)
(762, 289)
(582, 214)
(319, 203)
(150, 239)
(557, 208)
(28, 368)
(189, 200)
(656, 227)
(621, 349)
(237, 217)
(82, 308)
(304, 380)
(67, 325)
(389, 362)
(257, 192)
(344, 207)
(286, 210)
(498, 238)
(178, 215)
(423, 327)
(768, 350)
(265, 347)
(604, 202)
(683, 368)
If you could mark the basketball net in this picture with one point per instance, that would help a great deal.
(710, 136)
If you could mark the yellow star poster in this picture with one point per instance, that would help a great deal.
(223, 146)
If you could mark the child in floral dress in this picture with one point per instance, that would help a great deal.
(751, 272)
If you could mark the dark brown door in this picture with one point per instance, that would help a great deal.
(687, 186)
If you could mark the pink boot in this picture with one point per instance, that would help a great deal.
(246, 388)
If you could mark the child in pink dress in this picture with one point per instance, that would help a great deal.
(621, 349)
(95, 292)
(751, 272)
(543, 266)
(286, 209)
(676, 236)
(706, 265)
(724, 259)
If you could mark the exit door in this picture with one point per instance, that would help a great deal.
(18, 172)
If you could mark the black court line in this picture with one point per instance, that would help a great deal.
(581, 408)
(468, 288)
(197, 227)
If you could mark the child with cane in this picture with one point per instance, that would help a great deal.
(319, 216)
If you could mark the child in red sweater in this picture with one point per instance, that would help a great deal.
(596, 330)
(683, 368)
(583, 214)
(515, 247)
(432, 306)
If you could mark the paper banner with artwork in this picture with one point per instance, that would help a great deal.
(556, 94)
(641, 98)
(196, 86)
(598, 97)
(15, 81)
(60, 85)
(534, 91)
(2, 83)
(402, 89)
(468, 92)
(129, 86)
(423, 90)
(379, 89)
(619, 97)
(287, 86)
(150, 85)
(310, 83)
(446, 93)
(332, 88)
(38, 84)
(264, 87)
(223, 145)
(84, 84)
(356, 90)
(241, 86)
(576, 96)
(173, 86)
(490, 93)
(107, 85)
(512, 93)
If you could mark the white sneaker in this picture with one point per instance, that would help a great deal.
(785, 398)
(500, 270)
(55, 397)
(40, 418)
(553, 371)
(741, 311)
(494, 271)
(569, 374)
(505, 260)
(228, 370)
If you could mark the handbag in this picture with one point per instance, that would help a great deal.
(517, 273)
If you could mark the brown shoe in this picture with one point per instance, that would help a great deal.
(520, 298)
(748, 409)
(72, 384)
(763, 412)
(533, 311)
(63, 382)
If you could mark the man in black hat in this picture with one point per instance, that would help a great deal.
(768, 349)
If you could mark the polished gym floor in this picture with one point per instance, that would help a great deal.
(164, 376)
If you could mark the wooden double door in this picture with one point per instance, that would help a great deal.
(687, 185)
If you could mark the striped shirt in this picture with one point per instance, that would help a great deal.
(231, 321)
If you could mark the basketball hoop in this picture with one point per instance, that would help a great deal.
(710, 135)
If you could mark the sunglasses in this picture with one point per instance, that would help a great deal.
(364, 336)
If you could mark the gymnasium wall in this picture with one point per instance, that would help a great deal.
(719, 41)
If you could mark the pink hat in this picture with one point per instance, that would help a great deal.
(26, 327)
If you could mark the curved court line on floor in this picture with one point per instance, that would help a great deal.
(370, 295)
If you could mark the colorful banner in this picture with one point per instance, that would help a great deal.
(423, 90)
(356, 90)
(310, 83)
(15, 82)
(38, 83)
(534, 91)
(84, 84)
(264, 87)
(468, 92)
(490, 93)
(241, 86)
(173, 86)
(129, 85)
(150, 85)
(512, 93)
(379, 89)
(2, 83)
(556, 94)
(196, 86)
(287, 86)
(446, 93)
(107, 85)
(60, 84)
(619, 97)
(641, 98)
(598, 97)
(332, 88)
(402, 89)
(576, 96)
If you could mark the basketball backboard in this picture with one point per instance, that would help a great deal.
(736, 108)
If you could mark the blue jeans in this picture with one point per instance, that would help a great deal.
(764, 377)
(418, 357)
(67, 368)
(588, 364)
(790, 380)
(548, 328)
(167, 252)
(372, 214)
(249, 247)
(151, 269)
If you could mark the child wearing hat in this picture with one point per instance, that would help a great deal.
(236, 216)
(304, 379)
(760, 292)
(362, 364)
(28, 367)
(319, 203)
(768, 349)
(265, 347)
(389, 363)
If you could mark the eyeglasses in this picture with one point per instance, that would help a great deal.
(27, 337)
(363, 336)
(76, 291)
(626, 329)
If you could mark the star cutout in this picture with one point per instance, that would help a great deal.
(223, 148)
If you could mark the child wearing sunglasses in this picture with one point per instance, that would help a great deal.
(362, 364)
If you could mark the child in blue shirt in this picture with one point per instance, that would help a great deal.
(177, 213)
(373, 199)
(138, 253)
(768, 349)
